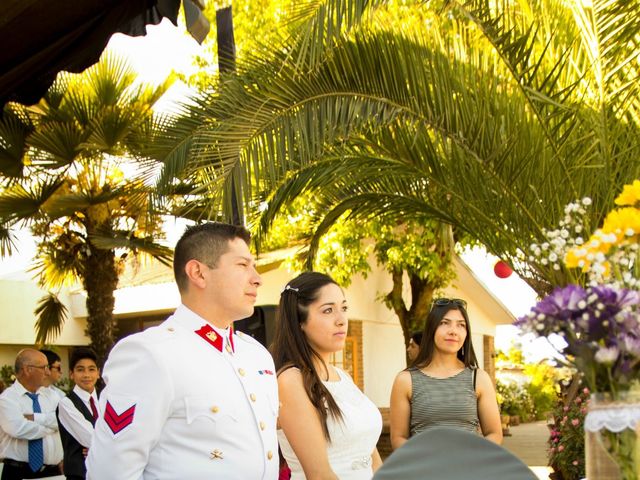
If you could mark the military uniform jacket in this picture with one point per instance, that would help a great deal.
(180, 404)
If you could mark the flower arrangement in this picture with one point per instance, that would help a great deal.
(600, 321)
(566, 440)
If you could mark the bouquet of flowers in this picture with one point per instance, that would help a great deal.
(600, 321)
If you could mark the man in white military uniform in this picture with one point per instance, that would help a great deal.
(192, 399)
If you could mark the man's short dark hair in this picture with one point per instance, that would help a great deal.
(82, 353)
(52, 357)
(206, 243)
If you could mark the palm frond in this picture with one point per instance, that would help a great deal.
(7, 241)
(15, 127)
(128, 240)
(50, 317)
(17, 203)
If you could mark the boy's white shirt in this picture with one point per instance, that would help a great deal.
(72, 419)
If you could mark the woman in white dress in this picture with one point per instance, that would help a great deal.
(328, 429)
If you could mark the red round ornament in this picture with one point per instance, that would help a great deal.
(502, 269)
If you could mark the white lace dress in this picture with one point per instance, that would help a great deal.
(352, 441)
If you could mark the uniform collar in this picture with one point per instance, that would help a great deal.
(213, 336)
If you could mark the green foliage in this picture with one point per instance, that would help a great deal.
(469, 112)
(542, 388)
(566, 441)
(513, 357)
(65, 384)
(514, 399)
(7, 375)
(77, 175)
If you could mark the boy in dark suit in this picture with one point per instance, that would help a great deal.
(78, 411)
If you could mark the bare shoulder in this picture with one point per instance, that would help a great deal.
(402, 381)
(483, 380)
(290, 377)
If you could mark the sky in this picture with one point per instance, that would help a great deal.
(166, 48)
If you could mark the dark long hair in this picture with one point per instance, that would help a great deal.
(428, 345)
(290, 347)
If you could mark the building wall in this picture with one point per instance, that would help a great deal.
(19, 300)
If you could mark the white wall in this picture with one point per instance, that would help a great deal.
(19, 300)
(383, 356)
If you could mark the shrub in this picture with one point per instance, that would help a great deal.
(514, 399)
(566, 441)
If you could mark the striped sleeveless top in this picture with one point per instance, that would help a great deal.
(443, 402)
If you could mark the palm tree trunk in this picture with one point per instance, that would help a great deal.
(100, 281)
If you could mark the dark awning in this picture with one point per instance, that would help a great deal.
(39, 38)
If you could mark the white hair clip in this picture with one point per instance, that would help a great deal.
(289, 287)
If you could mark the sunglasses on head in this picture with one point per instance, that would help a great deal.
(442, 302)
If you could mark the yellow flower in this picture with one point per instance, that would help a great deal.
(630, 194)
(577, 258)
(624, 223)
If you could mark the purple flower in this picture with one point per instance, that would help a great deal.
(601, 327)
(631, 344)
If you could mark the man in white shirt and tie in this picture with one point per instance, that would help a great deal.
(78, 412)
(29, 440)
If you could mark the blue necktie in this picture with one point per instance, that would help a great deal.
(36, 450)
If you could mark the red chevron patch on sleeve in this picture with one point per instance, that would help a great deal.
(118, 422)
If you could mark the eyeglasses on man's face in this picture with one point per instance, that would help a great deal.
(55, 367)
(442, 302)
(43, 367)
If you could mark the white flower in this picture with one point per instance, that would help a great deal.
(553, 257)
(578, 228)
(607, 355)
(586, 201)
(629, 232)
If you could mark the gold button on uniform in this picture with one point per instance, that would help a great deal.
(252, 397)
(228, 348)
(215, 409)
(216, 454)
(269, 454)
(241, 372)
(262, 425)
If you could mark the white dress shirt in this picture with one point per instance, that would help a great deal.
(55, 391)
(73, 420)
(183, 403)
(16, 430)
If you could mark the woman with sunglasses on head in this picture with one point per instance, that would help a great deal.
(327, 428)
(444, 386)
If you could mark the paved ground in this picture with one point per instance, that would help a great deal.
(528, 442)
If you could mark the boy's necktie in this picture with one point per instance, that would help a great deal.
(94, 410)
